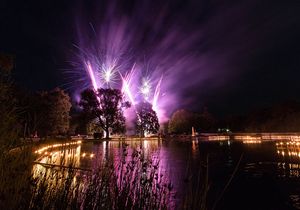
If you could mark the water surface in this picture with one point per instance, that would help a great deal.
(263, 175)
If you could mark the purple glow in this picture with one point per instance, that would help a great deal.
(130, 85)
(156, 95)
(126, 89)
(148, 61)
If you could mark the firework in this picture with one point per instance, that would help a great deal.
(145, 89)
(109, 73)
(126, 85)
(156, 95)
(134, 87)
(91, 75)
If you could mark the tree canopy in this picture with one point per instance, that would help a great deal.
(58, 106)
(182, 121)
(105, 105)
(147, 121)
(44, 113)
(8, 114)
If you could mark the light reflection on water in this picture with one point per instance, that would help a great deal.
(177, 158)
(89, 155)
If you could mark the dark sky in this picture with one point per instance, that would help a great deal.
(251, 48)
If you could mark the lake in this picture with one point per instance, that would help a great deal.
(240, 174)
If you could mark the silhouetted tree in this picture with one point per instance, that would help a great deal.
(59, 108)
(15, 167)
(284, 117)
(181, 122)
(44, 113)
(203, 121)
(8, 108)
(147, 121)
(105, 105)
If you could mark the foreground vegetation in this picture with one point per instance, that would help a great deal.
(132, 182)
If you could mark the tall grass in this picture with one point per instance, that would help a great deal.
(131, 182)
(15, 178)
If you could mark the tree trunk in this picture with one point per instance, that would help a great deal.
(107, 133)
(25, 129)
(142, 133)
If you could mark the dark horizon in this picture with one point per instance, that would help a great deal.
(249, 52)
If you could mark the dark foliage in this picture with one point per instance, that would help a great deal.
(45, 113)
(105, 105)
(284, 117)
(182, 121)
(8, 109)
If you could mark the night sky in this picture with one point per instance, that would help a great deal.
(243, 54)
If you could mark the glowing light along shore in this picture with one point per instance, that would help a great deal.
(252, 142)
(44, 149)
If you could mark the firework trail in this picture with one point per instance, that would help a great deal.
(126, 85)
(91, 75)
(156, 95)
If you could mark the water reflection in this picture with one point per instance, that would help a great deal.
(289, 148)
(83, 155)
(281, 159)
(57, 167)
(288, 170)
(289, 165)
(194, 146)
(64, 156)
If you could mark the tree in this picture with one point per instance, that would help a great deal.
(55, 105)
(59, 109)
(181, 122)
(8, 109)
(147, 121)
(282, 117)
(204, 121)
(105, 105)
(12, 193)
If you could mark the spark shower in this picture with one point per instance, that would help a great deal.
(106, 75)
(142, 50)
